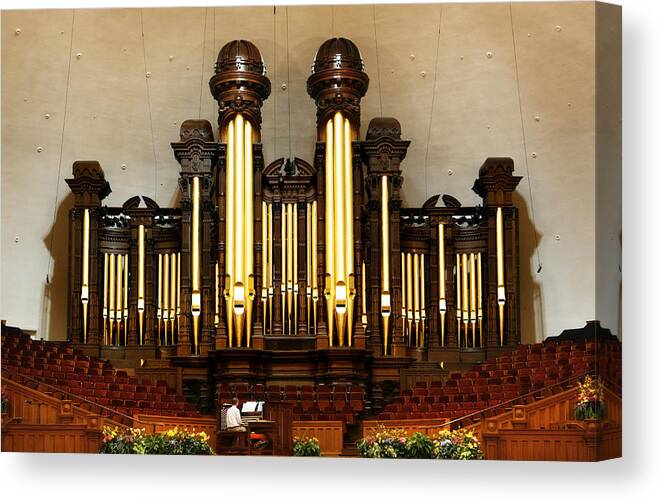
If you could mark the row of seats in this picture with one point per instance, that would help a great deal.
(506, 378)
(96, 381)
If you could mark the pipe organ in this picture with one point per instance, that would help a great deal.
(290, 254)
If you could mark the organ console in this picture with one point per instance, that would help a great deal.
(261, 256)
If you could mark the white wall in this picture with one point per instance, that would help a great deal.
(469, 105)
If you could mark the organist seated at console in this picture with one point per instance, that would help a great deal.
(233, 417)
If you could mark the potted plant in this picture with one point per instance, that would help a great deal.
(590, 400)
(306, 447)
(457, 444)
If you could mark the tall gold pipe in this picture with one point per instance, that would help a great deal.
(240, 281)
(464, 300)
(119, 292)
(265, 265)
(216, 309)
(459, 305)
(409, 295)
(348, 213)
(416, 297)
(166, 295)
(105, 298)
(290, 265)
(363, 295)
(404, 294)
(423, 310)
(250, 231)
(473, 294)
(126, 297)
(385, 260)
(159, 308)
(500, 267)
(84, 292)
(229, 234)
(269, 269)
(178, 290)
(283, 265)
(329, 230)
(442, 302)
(295, 259)
(173, 292)
(479, 294)
(111, 294)
(196, 297)
(315, 290)
(308, 262)
(141, 281)
(339, 187)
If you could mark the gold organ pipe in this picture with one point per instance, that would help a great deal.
(315, 290)
(126, 297)
(265, 265)
(404, 293)
(464, 299)
(409, 294)
(249, 277)
(173, 292)
(196, 299)
(105, 298)
(119, 292)
(159, 310)
(423, 311)
(283, 264)
(329, 230)
(166, 294)
(84, 292)
(473, 294)
(308, 261)
(363, 295)
(141, 281)
(269, 268)
(479, 294)
(348, 212)
(385, 260)
(416, 297)
(290, 265)
(459, 305)
(500, 267)
(240, 282)
(442, 303)
(295, 265)
(341, 281)
(111, 294)
(215, 318)
(178, 289)
(229, 234)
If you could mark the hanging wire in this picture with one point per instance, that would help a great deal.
(151, 121)
(378, 68)
(204, 50)
(288, 80)
(59, 163)
(525, 145)
(433, 97)
(275, 79)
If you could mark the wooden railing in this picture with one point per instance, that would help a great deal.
(329, 433)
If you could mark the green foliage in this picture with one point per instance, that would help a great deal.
(306, 447)
(135, 441)
(393, 443)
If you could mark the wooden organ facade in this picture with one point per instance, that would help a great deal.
(293, 271)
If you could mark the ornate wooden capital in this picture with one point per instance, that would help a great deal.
(496, 182)
(88, 184)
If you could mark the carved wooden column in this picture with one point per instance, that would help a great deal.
(196, 153)
(383, 150)
(89, 187)
(495, 185)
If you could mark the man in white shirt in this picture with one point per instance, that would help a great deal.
(233, 417)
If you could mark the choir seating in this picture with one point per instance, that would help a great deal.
(499, 382)
(63, 371)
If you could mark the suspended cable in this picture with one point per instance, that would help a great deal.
(378, 68)
(275, 79)
(288, 81)
(59, 163)
(151, 121)
(204, 50)
(525, 146)
(433, 97)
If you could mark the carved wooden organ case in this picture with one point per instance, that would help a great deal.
(323, 252)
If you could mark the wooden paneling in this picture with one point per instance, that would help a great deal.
(68, 438)
(410, 426)
(329, 434)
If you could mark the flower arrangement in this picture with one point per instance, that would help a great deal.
(590, 399)
(136, 441)
(306, 447)
(457, 444)
(393, 443)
